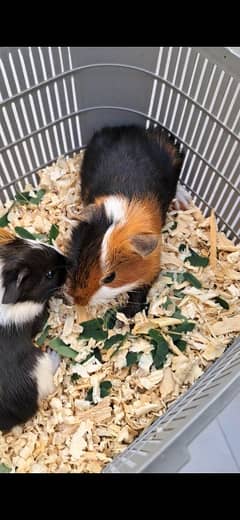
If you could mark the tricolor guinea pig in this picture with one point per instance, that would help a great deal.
(30, 273)
(129, 177)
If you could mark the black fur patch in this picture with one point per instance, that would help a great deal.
(19, 257)
(131, 161)
(85, 246)
(18, 388)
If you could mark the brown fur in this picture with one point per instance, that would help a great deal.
(143, 217)
(6, 236)
(81, 294)
(163, 139)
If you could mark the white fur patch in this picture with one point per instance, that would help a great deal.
(108, 293)
(44, 376)
(19, 313)
(104, 247)
(116, 208)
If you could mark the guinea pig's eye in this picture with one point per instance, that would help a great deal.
(50, 275)
(109, 278)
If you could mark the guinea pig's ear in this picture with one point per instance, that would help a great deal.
(14, 286)
(144, 244)
(22, 275)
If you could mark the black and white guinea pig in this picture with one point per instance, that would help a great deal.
(129, 177)
(30, 273)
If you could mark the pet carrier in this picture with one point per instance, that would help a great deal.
(53, 99)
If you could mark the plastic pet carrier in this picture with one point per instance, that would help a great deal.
(53, 99)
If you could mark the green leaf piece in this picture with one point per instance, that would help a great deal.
(24, 233)
(4, 220)
(42, 338)
(181, 344)
(132, 358)
(222, 302)
(53, 233)
(25, 198)
(93, 329)
(62, 349)
(188, 277)
(105, 388)
(109, 319)
(161, 350)
(177, 314)
(22, 197)
(117, 339)
(185, 326)
(197, 260)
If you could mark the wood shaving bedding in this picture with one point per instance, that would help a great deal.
(109, 388)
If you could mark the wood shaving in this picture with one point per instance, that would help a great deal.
(227, 325)
(213, 241)
(153, 379)
(167, 385)
(155, 323)
(71, 434)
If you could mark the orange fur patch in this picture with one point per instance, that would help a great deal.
(82, 294)
(143, 217)
(100, 200)
(6, 236)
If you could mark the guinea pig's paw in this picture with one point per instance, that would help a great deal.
(128, 311)
(183, 198)
(55, 359)
(132, 309)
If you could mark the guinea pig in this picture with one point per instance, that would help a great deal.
(30, 273)
(129, 177)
